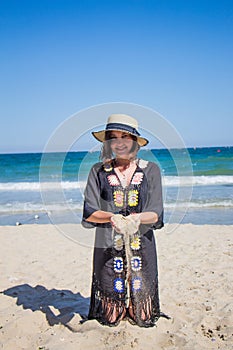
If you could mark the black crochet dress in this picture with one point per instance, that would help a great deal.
(111, 290)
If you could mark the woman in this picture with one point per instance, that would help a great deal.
(123, 200)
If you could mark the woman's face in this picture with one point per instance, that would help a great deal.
(121, 143)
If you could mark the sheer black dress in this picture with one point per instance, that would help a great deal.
(111, 290)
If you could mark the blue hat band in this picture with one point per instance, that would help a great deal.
(123, 127)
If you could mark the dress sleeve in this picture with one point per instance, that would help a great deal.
(154, 198)
(91, 197)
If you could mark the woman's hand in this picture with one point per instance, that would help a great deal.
(126, 225)
(133, 223)
(118, 223)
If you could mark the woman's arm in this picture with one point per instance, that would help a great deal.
(148, 217)
(152, 212)
(100, 217)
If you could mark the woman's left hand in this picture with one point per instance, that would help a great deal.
(133, 222)
(118, 223)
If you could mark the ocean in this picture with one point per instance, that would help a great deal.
(42, 188)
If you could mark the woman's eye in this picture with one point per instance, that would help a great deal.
(125, 136)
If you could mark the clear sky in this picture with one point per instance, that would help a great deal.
(60, 56)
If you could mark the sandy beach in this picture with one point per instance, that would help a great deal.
(45, 289)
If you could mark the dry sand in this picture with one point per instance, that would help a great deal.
(45, 289)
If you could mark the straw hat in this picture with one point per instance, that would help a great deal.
(121, 122)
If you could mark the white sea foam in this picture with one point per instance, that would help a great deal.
(22, 207)
(197, 180)
(200, 204)
(43, 186)
(169, 181)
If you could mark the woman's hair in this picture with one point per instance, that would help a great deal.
(106, 151)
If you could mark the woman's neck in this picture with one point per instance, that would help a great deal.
(125, 170)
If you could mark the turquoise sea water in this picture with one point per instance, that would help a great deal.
(197, 184)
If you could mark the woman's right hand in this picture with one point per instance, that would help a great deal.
(118, 223)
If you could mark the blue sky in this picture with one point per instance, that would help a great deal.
(61, 56)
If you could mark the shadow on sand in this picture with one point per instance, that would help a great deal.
(65, 303)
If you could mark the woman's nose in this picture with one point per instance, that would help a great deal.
(119, 140)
